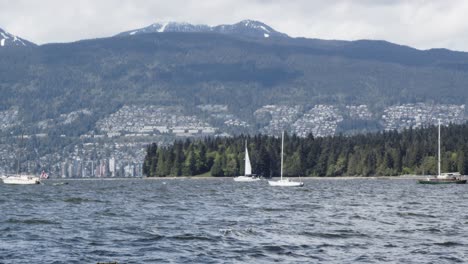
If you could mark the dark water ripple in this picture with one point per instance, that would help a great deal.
(220, 221)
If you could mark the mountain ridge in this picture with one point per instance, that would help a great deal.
(250, 28)
(9, 40)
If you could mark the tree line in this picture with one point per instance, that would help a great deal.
(412, 151)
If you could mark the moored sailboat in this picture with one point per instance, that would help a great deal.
(284, 182)
(248, 176)
(443, 178)
(21, 179)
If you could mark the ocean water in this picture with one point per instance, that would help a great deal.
(222, 221)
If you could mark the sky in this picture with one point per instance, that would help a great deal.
(422, 24)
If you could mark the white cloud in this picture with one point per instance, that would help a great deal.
(418, 23)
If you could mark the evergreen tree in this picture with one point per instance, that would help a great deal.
(217, 169)
(191, 164)
(160, 168)
(387, 153)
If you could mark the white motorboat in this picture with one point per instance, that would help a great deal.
(284, 182)
(248, 176)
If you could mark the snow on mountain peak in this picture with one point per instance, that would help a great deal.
(250, 28)
(8, 39)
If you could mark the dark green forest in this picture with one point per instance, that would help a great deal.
(391, 153)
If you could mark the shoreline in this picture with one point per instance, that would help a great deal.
(401, 177)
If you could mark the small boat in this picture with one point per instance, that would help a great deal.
(284, 182)
(248, 176)
(443, 178)
(21, 179)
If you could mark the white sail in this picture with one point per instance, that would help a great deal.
(248, 166)
(247, 177)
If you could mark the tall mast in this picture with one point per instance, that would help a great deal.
(438, 162)
(282, 146)
(19, 155)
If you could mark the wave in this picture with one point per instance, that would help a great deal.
(431, 230)
(449, 244)
(189, 237)
(149, 239)
(78, 200)
(411, 214)
(338, 234)
(31, 221)
(226, 232)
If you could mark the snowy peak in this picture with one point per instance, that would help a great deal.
(10, 40)
(167, 27)
(249, 28)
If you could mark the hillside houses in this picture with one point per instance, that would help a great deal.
(399, 117)
(360, 112)
(281, 117)
(321, 121)
(8, 118)
(147, 120)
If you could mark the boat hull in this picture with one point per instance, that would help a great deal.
(21, 180)
(442, 181)
(246, 179)
(286, 183)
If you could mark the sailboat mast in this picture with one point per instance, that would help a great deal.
(19, 155)
(282, 147)
(438, 162)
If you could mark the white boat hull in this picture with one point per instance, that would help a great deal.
(246, 179)
(286, 183)
(21, 180)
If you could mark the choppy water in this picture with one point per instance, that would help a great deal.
(221, 221)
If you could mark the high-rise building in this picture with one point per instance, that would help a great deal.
(112, 167)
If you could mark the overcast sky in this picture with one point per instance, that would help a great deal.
(422, 24)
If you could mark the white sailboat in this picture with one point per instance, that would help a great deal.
(443, 178)
(247, 177)
(21, 179)
(284, 182)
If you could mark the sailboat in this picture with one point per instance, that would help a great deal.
(284, 182)
(20, 179)
(443, 178)
(248, 176)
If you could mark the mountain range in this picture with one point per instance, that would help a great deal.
(245, 66)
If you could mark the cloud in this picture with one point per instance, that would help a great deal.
(419, 23)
